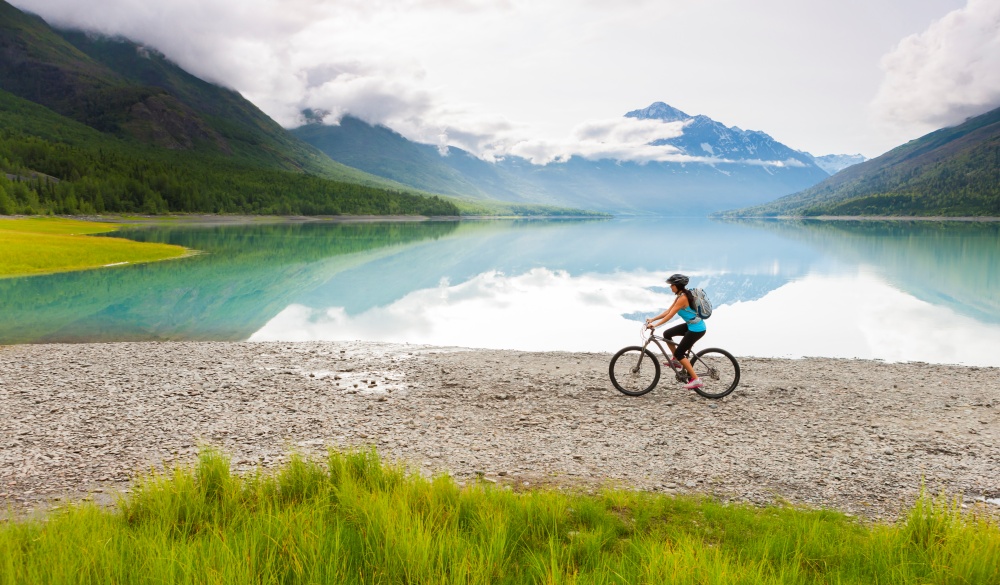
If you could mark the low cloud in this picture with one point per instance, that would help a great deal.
(288, 56)
(947, 73)
(626, 139)
(374, 99)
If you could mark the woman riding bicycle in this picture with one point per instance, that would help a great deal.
(692, 329)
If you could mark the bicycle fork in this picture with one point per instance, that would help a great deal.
(642, 353)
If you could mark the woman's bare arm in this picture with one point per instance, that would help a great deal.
(679, 303)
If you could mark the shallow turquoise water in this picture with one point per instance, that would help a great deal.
(898, 291)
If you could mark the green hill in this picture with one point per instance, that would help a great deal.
(94, 124)
(951, 172)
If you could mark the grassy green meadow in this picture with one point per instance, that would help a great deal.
(353, 519)
(36, 245)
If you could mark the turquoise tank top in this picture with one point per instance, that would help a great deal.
(688, 314)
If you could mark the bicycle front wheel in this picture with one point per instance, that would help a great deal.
(718, 370)
(634, 371)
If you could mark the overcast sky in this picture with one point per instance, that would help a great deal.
(548, 78)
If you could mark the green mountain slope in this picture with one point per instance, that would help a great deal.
(93, 124)
(122, 88)
(52, 164)
(398, 159)
(951, 172)
(232, 125)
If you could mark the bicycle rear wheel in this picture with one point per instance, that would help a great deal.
(718, 370)
(634, 371)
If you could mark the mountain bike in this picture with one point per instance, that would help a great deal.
(634, 370)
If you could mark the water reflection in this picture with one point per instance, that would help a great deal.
(586, 287)
(950, 263)
(847, 315)
(891, 291)
(745, 262)
(245, 275)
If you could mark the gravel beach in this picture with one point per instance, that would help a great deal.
(859, 436)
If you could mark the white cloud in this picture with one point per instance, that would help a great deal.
(944, 74)
(616, 138)
(621, 139)
(628, 130)
(487, 75)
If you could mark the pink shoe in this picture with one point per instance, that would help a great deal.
(696, 383)
(673, 363)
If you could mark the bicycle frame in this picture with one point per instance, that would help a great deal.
(656, 339)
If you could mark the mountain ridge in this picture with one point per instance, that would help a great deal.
(952, 171)
(675, 188)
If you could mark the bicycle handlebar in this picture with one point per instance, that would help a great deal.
(644, 329)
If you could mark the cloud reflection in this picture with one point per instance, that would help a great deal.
(845, 316)
(853, 316)
(539, 310)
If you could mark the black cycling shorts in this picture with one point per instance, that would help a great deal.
(687, 342)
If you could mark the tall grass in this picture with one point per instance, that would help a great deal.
(31, 246)
(352, 519)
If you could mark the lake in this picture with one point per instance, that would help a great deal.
(895, 291)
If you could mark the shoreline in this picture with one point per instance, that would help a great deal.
(236, 219)
(222, 219)
(964, 218)
(859, 436)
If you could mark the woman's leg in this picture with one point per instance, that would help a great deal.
(687, 342)
(675, 331)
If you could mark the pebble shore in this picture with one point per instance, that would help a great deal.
(80, 421)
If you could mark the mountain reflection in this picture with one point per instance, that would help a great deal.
(546, 310)
(950, 263)
(536, 284)
(244, 276)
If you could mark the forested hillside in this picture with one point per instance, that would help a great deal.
(53, 165)
(91, 124)
(951, 172)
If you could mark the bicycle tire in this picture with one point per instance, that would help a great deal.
(634, 371)
(718, 370)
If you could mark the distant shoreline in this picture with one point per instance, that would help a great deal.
(988, 218)
(240, 219)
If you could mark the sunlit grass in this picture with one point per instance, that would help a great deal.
(31, 246)
(55, 225)
(352, 519)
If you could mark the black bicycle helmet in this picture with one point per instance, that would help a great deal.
(679, 280)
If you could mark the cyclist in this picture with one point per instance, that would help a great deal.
(691, 330)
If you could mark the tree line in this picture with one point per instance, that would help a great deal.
(965, 185)
(48, 176)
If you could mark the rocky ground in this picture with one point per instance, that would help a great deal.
(859, 436)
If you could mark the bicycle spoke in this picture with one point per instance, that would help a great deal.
(719, 372)
(634, 371)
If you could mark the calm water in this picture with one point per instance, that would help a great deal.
(896, 291)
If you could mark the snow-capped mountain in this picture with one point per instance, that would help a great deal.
(704, 137)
